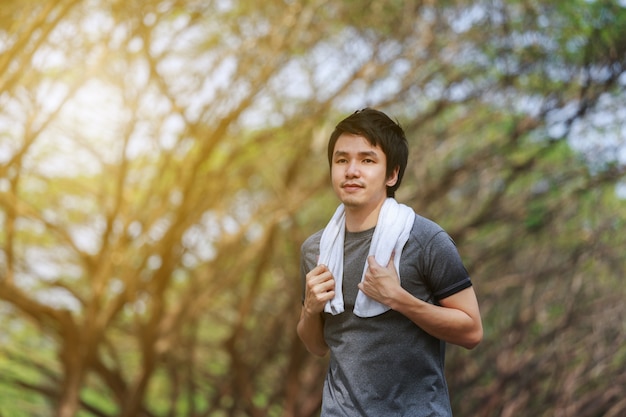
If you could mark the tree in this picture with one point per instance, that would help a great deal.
(161, 162)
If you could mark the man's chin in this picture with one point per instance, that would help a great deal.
(351, 202)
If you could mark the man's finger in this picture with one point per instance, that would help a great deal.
(371, 261)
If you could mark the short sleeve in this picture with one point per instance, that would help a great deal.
(309, 252)
(443, 267)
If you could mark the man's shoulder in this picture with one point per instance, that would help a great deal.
(424, 227)
(312, 241)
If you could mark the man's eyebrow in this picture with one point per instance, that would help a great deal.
(361, 154)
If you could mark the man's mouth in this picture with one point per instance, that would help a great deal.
(351, 186)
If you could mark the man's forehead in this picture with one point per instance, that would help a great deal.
(350, 143)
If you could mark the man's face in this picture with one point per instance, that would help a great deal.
(358, 172)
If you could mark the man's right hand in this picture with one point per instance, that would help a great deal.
(320, 288)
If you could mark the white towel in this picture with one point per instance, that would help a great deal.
(391, 234)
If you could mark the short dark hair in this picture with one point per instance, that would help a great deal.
(379, 130)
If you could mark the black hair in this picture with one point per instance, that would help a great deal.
(379, 130)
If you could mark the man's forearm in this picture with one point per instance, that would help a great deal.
(456, 321)
(311, 331)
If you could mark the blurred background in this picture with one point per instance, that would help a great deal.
(161, 161)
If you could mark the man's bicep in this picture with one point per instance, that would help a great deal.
(469, 330)
(464, 300)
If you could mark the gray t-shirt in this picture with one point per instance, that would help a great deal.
(386, 366)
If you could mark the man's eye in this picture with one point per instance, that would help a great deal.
(368, 161)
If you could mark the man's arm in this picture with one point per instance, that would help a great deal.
(311, 332)
(320, 287)
(457, 320)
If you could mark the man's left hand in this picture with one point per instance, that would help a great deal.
(381, 282)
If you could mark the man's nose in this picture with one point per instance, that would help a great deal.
(352, 170)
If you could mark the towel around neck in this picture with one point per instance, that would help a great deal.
(391, 234)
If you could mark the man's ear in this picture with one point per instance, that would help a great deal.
(393, 178)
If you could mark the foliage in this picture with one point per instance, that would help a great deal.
(162, 161)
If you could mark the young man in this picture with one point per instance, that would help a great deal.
(384, 289)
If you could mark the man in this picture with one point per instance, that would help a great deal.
(384, 289)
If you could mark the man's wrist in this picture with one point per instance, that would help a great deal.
(310, 313)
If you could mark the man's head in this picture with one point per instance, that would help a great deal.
(380, 131)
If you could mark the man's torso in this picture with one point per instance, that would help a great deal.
(386, 365)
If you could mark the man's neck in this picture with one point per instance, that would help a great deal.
(359, 219)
